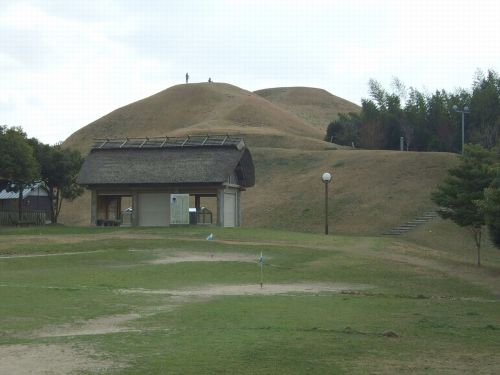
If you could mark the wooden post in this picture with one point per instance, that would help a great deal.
(134, 220)
(93, 207)
(220, 207)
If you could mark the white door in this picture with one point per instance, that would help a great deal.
(229, 210)
(154, 209)
(179, 209)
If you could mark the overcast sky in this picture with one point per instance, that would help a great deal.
(65, 63)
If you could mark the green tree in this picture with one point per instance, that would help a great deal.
(17, 164)
(463, 189)
(485, 109)
(426, 121)
(59, 167)
(461, 98)
(371, 133)
(414, 124)
(344, 130)
(382, 117)
(491, 209)
(441, 129)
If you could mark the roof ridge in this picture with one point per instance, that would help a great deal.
(219, 140)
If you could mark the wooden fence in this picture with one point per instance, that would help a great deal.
(27, 218)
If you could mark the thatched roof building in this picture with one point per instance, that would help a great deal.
(210, 164)
(153, 172)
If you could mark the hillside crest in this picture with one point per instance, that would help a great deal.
(212, 108)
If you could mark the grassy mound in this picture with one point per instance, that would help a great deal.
(200, 108)
(316, 106)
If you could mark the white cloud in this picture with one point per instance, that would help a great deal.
(64, 64)
(87, 75)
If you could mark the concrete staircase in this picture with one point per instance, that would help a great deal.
(412, 224)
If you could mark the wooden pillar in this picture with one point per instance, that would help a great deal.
(93, 207)
(119, 208)
(220, 207)
(134, 220)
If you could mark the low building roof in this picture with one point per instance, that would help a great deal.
(196, 164)
(27, 191)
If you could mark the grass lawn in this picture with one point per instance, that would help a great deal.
(157, 301)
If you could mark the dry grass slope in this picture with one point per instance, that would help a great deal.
(372, 191)
(316, 106)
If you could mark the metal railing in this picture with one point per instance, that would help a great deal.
(165, 142)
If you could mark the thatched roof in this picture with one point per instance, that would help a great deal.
(170, 165)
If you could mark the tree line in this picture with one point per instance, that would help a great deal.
(24, 161)
(428, 122)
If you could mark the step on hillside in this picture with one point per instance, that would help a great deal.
(411, 224)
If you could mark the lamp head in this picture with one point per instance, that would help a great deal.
(326, 177)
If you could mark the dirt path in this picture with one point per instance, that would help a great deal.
(49, 359)
(252, 289)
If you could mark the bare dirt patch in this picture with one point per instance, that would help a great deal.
(117, 323)
(97, 326)
(254, 289)
(48, 359)
(105, 324)
(203, 257)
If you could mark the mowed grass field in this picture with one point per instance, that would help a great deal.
(167, 301)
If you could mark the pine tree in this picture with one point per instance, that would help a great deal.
(461, 193)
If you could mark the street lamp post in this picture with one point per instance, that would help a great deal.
(463, 112)
(326, 177)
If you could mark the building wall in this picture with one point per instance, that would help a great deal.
(151, 205)
(231, 201)
(230, 209)
(153, 209)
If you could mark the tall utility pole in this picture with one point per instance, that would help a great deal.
(463, 112)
